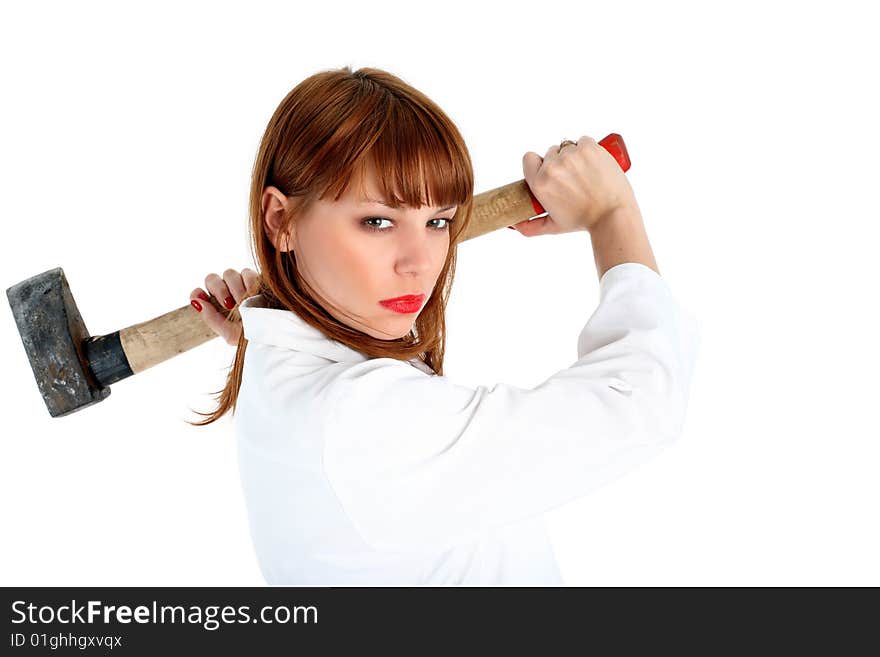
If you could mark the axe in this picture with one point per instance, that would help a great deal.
(75, 369)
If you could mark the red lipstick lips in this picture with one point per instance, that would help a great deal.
(410, 303)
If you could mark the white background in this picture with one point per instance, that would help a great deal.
(128, 136)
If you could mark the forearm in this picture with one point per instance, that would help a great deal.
(619, 238)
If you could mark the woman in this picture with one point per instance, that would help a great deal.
(361, 463)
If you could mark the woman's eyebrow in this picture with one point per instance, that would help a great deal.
(369, 200)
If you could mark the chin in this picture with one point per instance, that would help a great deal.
(393, 332)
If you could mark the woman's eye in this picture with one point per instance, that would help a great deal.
(371, 226)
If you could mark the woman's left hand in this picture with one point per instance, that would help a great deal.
(228, 291)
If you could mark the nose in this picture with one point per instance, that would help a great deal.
(415, 254)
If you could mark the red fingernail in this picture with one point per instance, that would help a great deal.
(203, 296)
(196, 305)
(229, 303)
(511, 228)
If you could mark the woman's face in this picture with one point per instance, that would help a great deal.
(356, 252)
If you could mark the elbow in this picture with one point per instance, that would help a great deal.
(658, 403)
(656, 383)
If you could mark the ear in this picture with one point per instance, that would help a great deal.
(274, 204)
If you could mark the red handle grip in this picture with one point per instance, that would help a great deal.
(613, 143)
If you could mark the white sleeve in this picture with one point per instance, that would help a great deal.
(419, 461)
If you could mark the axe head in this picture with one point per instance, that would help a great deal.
(53, 333)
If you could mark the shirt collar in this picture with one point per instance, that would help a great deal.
(284, 328)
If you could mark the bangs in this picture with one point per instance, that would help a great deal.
(414, 155)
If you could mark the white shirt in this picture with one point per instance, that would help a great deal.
(376, 471)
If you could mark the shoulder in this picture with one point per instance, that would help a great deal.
(380, 388)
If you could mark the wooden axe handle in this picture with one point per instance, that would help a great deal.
(158, 339)
(175, 332)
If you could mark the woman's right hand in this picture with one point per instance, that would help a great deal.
(228, 291)
(578, 186)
